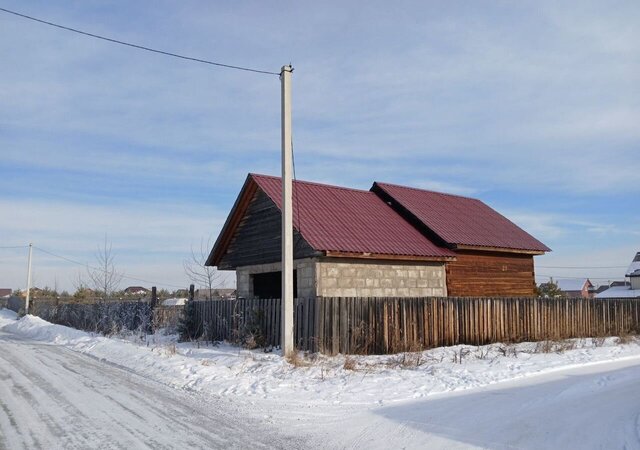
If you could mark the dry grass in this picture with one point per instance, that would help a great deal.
(297, 359)
(350, 363)
(554, 346)
(598, 341)
(170, 349)
(626, 338)
(508, 350)
(406, 360)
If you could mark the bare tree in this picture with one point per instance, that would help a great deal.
(103, 276)
(201, 275)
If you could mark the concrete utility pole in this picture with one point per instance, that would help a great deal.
(26, 302)
(287, 215)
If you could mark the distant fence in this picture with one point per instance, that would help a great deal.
(390, 325)
(14, 303)
(367, 325)
(100, 317)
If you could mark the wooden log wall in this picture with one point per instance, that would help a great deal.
(257, 240)
(392, 325)
(490, 274)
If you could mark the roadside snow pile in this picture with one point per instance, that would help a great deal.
(40, 330)
(229, 371)
(7, 316)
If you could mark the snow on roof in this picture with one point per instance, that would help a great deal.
(635, 265)
(618, 292)
(572, 285)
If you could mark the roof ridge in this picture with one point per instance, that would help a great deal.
(382, 183)
(314, 183)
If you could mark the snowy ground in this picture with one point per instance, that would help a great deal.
(581, 394)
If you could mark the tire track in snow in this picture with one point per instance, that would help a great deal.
(81, 402)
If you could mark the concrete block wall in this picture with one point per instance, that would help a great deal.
(355, 278)
(359, 278)
(305, 277)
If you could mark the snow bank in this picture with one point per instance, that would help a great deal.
(7, 316)
(375, 380)
(40, 330)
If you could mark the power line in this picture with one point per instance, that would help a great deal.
(140, 47)
(102, 270)
(573, 278)
(13, 246)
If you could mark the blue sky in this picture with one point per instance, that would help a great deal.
(532, 107)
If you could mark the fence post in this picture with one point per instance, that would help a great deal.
(191, 292)
(154, 297)
(152, 308)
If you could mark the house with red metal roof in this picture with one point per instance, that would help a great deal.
(390, 241)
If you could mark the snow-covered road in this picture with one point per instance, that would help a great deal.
(594, 407)
(54, 398)
(63, 388)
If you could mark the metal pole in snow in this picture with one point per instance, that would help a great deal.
(287, 215)
(26, 302)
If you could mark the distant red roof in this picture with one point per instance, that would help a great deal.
(332, 218)
(460, 220)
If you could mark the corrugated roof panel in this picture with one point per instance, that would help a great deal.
(462, 220)
(332, 218)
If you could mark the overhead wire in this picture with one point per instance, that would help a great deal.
(140, 47)
(573, 278)
(5, 247)
(124, 275)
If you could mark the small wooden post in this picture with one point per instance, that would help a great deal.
(154, 297)
(192, 289)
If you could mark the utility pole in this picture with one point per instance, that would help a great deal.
(287, 215)
(26, 302)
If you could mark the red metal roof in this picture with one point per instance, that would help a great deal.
(332, 218)
(461, 220)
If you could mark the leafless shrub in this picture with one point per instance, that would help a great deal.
(460, 355)
(170, 349)
(598, 341)
(362, 340)
(554, 346)
(508, 350)
(626, 337)
(350, 363)
(411, 359)
(482, 353)
(297, 359)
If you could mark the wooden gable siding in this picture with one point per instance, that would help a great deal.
(490, 274)
(257, 239)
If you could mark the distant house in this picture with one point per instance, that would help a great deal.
(577, 288)
(633, 272)
(5, 292)
(626, 289)
(136, 290)
(390, 241)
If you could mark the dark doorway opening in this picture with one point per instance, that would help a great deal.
(269, 284)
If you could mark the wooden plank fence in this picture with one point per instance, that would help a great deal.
(391, 325)
(233, 319)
